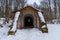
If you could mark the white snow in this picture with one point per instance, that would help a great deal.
(10, 22)
(15, 21)
(2, 20)
(41, 17)
(43, 26)
(32, 1)
(3, 30)
(32, 34)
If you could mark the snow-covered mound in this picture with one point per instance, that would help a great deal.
(41, 17)
(33, 34)
(56, 21)
(2, 20)
(15, 21)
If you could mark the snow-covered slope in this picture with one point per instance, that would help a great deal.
(15, 21)
(4, 31)
(41, 17)
(33, 34)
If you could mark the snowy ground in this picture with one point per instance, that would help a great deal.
(32, 34)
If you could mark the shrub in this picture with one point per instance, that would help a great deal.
(11, 33)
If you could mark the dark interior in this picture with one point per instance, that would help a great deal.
(28, 22)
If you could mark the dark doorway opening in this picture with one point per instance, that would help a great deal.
(28, 22)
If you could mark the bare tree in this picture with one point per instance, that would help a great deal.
(45, 5)
(55, 8)
(50, 12)
(7, 10)
(0, 11)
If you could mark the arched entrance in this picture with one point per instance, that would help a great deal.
(28, 21)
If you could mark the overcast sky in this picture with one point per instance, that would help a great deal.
(32, 1)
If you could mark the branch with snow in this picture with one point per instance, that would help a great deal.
(15, 21)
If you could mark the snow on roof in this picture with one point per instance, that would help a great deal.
(31, 6)
(32, 1)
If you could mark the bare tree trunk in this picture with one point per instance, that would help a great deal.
(7, 11)
(58, 9)
(55, 8)
(0, 11)
(50, 10)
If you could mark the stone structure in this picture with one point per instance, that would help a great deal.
(28, 18)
